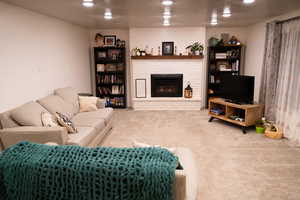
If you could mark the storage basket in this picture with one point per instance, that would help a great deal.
(278, 134)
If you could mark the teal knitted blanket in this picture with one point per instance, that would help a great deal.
(41, 172)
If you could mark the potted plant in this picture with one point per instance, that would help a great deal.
(196, 48)
(260, 126)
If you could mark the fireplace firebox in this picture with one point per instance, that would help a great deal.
(166, 85)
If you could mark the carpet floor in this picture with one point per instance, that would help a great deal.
(232, 166)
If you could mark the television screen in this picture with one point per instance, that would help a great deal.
(237, 89)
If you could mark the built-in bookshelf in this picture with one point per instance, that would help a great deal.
(222, 60)
(110, 66)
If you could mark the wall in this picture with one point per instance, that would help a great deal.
(182, 37)
(38, 54)
(255, 48)
(122, 34)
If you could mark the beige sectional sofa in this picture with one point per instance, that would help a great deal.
(24, 122)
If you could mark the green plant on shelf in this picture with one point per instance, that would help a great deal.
(196, 48)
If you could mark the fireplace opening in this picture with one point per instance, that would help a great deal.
(166, 85)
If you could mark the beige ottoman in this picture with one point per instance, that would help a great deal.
(186, 180)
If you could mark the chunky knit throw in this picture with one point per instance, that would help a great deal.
(41, 172)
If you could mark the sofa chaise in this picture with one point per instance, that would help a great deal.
(24, 122)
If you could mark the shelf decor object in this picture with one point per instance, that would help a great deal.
(110, 71)
(222, 60)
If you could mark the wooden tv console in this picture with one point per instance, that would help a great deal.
(249, 112)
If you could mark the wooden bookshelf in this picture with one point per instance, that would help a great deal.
(165, 57)
(110, 71)
(250, 113)
(233, 61)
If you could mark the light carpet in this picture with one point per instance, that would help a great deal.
(232, 166)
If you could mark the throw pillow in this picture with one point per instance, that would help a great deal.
(49, 120)
(28, 114)
(87, 104)
(66, 122)
(144, 145)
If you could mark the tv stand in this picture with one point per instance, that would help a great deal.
(244, 115)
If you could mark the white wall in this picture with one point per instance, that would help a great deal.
(255, 48)
(122, 34)
(38, 54)
(182, 37)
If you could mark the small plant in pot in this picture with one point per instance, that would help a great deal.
(196, 48)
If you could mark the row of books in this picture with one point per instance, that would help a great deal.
(117, 101)
(110, 67)
(110, 79)
(115, 89)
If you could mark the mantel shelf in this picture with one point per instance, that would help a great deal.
(165, 57)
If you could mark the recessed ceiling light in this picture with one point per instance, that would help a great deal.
(167, 2)
(107, 14)
(88, 3)
(167, 22)
(226, 12)
(248, 1)
(214, 21)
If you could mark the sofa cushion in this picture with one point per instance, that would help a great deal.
(84, 136)
(70, 95)
(54, 103)
(105, 113)
(97, 123)
(6, 121)
(49, 120)
(28, 114)
(88, 104)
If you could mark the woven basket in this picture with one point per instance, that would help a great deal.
(278, 134)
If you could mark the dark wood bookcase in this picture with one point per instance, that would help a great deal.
(222, 60)
(110, 70)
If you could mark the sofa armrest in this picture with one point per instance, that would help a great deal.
(180, 185)
(100, 103)
(11, 136)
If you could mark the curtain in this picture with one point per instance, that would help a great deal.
(270, 69)
(287, 101)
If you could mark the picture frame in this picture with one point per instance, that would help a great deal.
(140, 88)
(110, 40)
(167, 48)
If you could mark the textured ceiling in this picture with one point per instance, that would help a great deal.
(148, 13)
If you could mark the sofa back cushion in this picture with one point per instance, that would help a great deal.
(6, 121)
(54, 103)
(28, 114)
(69, 95)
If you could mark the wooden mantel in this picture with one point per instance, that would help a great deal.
(165, 57)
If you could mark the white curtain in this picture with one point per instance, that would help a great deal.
(287, 102)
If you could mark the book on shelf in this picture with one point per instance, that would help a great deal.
(116, 101)
(110, 79)
(118, 89)
(221, 55)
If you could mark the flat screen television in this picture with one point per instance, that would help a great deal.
(237, 89)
